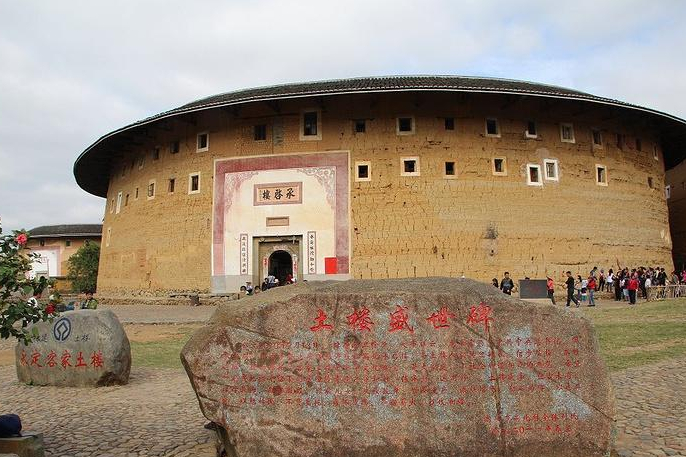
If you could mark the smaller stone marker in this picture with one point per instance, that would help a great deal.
(79, 348)
(30, 444)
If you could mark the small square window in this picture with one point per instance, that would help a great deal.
(656, 156)
(449, 169)
(620, 141)
(450, 123)
(67, 243)
(650, 182)
(360, 126)
(597, 138)
(668, 192)
(405, 125)
(363, 171)
(409, 166)
(499, 166)
(151, 190)
(550, 169)
(126, 200)
(203, 142)
(638, 145)
(601, 175)
(260, 132)
(119, 202)
(533, 177)
(492, 127)
(156, 153)
(141, 161)
(136, 194)
(531, 131)
(194, 183)
(123, 171)
(42, 242)
(174, 147)
(567, 133)
(310, 123)
(172, 185)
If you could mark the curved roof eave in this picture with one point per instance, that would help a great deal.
(206, 104)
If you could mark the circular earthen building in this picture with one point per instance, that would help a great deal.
(387, 177)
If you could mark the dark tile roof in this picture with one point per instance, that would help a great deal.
(66, 230)
(91, 168)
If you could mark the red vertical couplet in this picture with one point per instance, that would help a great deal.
(360, 320)
(399, 320)
(320, 320)
(480, 314)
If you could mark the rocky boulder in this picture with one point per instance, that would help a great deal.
(412, 367)
(79, 348)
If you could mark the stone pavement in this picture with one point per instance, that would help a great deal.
(156, 414)
(651, 409)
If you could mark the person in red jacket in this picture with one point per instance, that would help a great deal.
(591, 289)
(632, 287)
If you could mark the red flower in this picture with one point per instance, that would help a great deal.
(22, 239)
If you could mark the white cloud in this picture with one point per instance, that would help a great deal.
(72, 73)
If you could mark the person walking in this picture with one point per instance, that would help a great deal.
(551, 289)
(570, 290)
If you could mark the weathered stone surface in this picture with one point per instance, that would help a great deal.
(528, 380)
(79, 348)
(30, 444)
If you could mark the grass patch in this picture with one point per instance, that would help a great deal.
(163, 353)
(640, 335)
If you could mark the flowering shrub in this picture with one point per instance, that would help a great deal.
(16, 312)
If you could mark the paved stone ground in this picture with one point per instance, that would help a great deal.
(651, 406)
(156, 414)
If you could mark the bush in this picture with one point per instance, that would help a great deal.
(83, 268)
(16, 313)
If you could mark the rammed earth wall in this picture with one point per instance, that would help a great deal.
(474, 223)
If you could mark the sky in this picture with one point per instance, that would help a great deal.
(74, 70)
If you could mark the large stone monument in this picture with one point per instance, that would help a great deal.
(79, 348)
(416, 367)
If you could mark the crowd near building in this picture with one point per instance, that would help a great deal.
(381, 178)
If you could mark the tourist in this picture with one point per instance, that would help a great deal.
(89, 302)
(662, 277)
(609, 282)
(550, 284)
(248, 288)
(494, 281)
(675, 278)
(591, 287)
(570, 290)
(617, 284)
(632, 287)
(506, 285)
(265, 284)
(601, 280)
(578, 285)
(257, 290)
(289, 279)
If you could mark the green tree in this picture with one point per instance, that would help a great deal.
(83, 267)
(16, 312)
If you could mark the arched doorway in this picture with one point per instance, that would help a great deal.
(281, 265)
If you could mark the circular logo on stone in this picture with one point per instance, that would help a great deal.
(62, 329)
